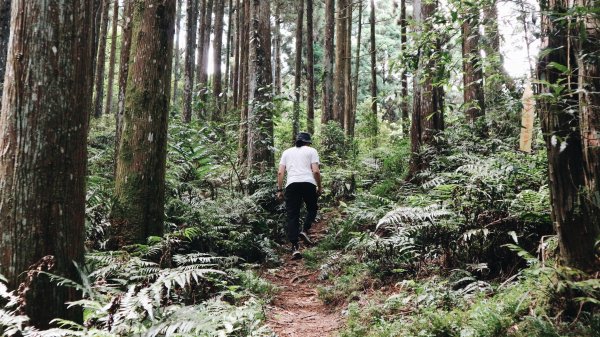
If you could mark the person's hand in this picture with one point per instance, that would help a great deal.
(280, 196)
(319, 191)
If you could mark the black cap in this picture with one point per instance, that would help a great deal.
(304, 137)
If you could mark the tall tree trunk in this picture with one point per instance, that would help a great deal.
(472, 67)
(403, 76)
(339, 81)
(260, 82)
(217, 48)
(123, 71)
(203, 48)
(97, 19)
(236, 62)
(277, 48)
(348, 119)
(4, 35)
(298, 68)
(373, 68)
(310, 65)
(427, 116)
(43, 131)
(243, 84)
(138, 209)
(190, 56)
(100, 60)
(568, 129)
(112, 58)
(328, 57)
(176, 58)
(228, 52)
(357, 61)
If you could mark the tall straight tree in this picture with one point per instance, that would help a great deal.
(203, 48)
(4, 35)
(217, 48)
(328, 57)
(236, 54)
(569, 121)
(339, 81)
(260, 82)
(43, 130)
(112, 58)
(472, 66)
(138, 210)
(427, 116)
(403, 75)
(357, 59)
(277, 48)
(373, 52)
(123, 70)
(190, 57)
(229, 55)
(348, 116)
(176, 58)
(100, 59)
(243, 82)
(310, 68)
(298, 67)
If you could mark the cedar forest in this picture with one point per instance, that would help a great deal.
(139, 143)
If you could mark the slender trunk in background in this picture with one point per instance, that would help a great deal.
(427, 116)
(203, 64)
(373, 52)
(328, 57)
(97, 19)
(277, 48)
(472, 68)
(310, 68)
(217, 48)
(298, 67)
(228, 53)
(202, 8)
(190, 56)
(236, 62)
(243, 84)
(43, 132)
(123, 71)
(339, 98)
(357, 60)
(176, 58)
(100, 60)
(260, 82)
(138, 210)
(112, 58)
(404, 77)
(4, 35)
(348, 119)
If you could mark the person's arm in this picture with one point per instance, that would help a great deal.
(280, 175)
(317, 175)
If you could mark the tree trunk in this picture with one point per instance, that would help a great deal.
(100, 60)
(236, 62)
(218, 47)
(357, 61)
(243, 84)
(403, 76)
(427, 116)
(298, 68)
(228, 52)
(310, 65)
(112, 58)
(43, 130)
(190, 56)
(203, 48)
(176, 66)
(277, 48)
(472, 67)
(260, 82)
(328, 57)
(138, 209)
(566, 122)
(339, 81)
(373, 68)
(348, 119)
(4, 35)
(123, 71)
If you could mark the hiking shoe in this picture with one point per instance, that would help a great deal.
(296, 252)
(304, 236)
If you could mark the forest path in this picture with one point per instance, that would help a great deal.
(296, 310)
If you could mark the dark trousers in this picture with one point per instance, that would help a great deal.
(295, 193)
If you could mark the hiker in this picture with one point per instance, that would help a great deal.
(303, 183)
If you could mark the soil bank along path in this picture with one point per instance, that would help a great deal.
(296, 310)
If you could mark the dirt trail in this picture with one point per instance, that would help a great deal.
(297, 310)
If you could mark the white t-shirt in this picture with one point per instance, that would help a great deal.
(298, 164)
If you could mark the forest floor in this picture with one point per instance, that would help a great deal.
(297, 310)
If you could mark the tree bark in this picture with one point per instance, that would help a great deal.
(236, 54)
(348, 119)
(328, 57)
(373, 68)
(472, 67)
(228, 52)
(217, 48)
(190, 57)
(123, 71)
(4, 35)
(357, 61)
(203, 48)
(298, 68)
(100, 60)
(339, 97)
(43, 131)
(404, 109)
(260, 82)
(138, 209)
(112, 57)
(310, 65)
(243, 84)
(277, 48)
(176, 58)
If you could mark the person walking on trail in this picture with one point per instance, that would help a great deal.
(303, 183)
